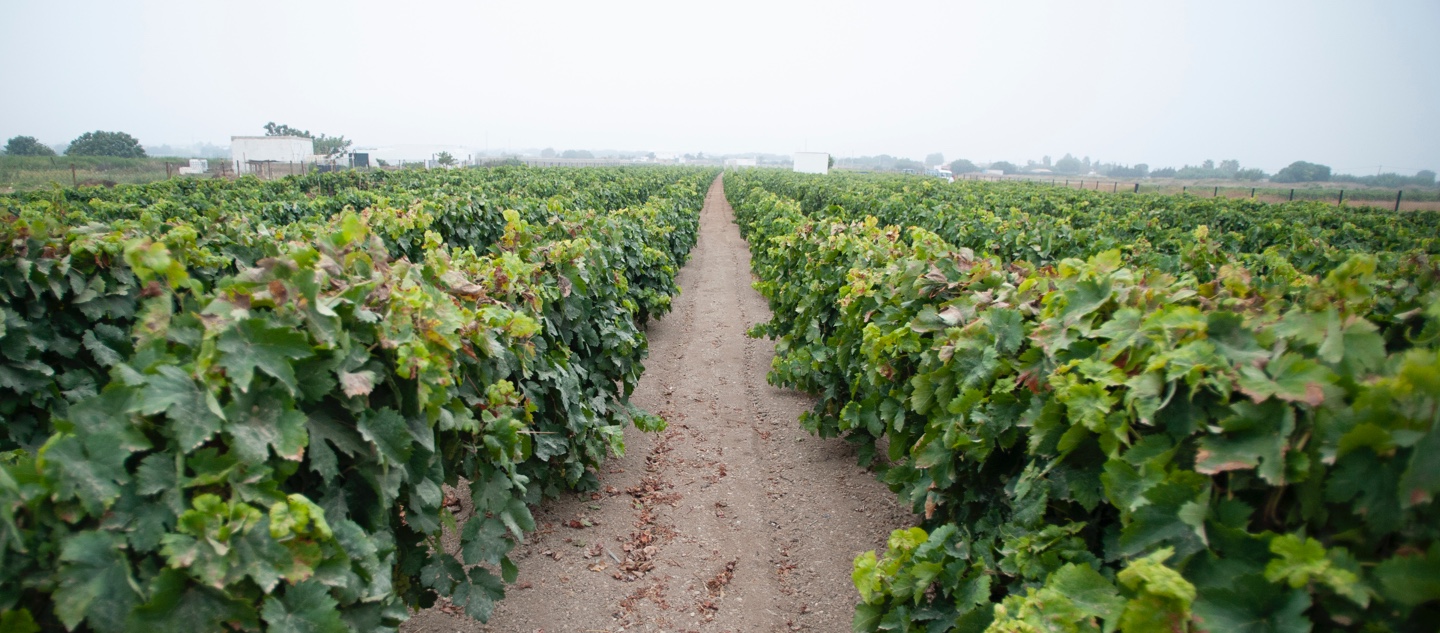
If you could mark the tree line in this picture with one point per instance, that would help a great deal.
(122, 145)
(97, 143)
(1296, 172)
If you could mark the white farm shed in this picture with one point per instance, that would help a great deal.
(247, 151)
(812, 162)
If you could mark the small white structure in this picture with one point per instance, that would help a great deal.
(812, 162)
(994, 172)
(197, 166)
(248, 152)
(739, 162)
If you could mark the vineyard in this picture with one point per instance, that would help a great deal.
(1135, 413)
(237, 405)
(328, 402)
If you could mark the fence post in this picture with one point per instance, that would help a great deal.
(1397, 199)
(1115, 187)
(1182, 190)
(73, 181)
(1216, 194)
(1137, 187)
(1067, 182)
(1292, 194)
(1252, 192)
(1342, 197)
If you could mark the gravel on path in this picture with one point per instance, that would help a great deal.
(733, 519)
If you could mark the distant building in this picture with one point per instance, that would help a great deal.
(196, 166)
(812, 162)
(249, 154)
(739, 162)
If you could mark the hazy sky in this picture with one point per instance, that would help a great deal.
(1351, 84)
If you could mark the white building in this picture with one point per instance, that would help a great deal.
(812, 162)
(247, 153)
(196, 166)
(739, 162)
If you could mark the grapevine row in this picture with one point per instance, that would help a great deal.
(1117, 416)
(237, 405)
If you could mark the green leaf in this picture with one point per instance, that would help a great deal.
(88, 474)
(1085, 297)
(1303, 560)
(479, 595)
(1162, 596)
(172, 391)
(1248, 604)
(94, 582)
(19, 620)
(1411, 580)
(867, 618)
(176, 606)
(101, 350)
(1299, 559)
(1291, 377)
(389, 433)
(1227, 332)
(264, 419)
(516, 516)
(1088, 590)
(483, 541)
(1256, 435)
(1421, 479)
(491, 492)
(865, 576)
(304, 608)
(253, 344)
(1173, 515)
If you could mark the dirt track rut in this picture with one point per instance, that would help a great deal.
(733, 519)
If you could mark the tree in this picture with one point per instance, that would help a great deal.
(325, 145)
(1425, 177)
(331, 145)
(272, 129)
(27, 146)
(1231, 166)
(1251, 174)
(830, 162)
(99, 143)
(1118, 171)
(548, 152)
(962, 166)
(1301, 171)
(1005, 166)
(1208, 164)
(585, 153)
(444, 158)
(903, 164)
(1070, 165)
(935, 159)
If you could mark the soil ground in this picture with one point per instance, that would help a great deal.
(733, 519)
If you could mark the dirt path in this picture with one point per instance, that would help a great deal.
(734, 519)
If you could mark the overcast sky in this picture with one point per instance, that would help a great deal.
(1351, 84)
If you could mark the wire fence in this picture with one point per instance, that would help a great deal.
(1396, 199)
